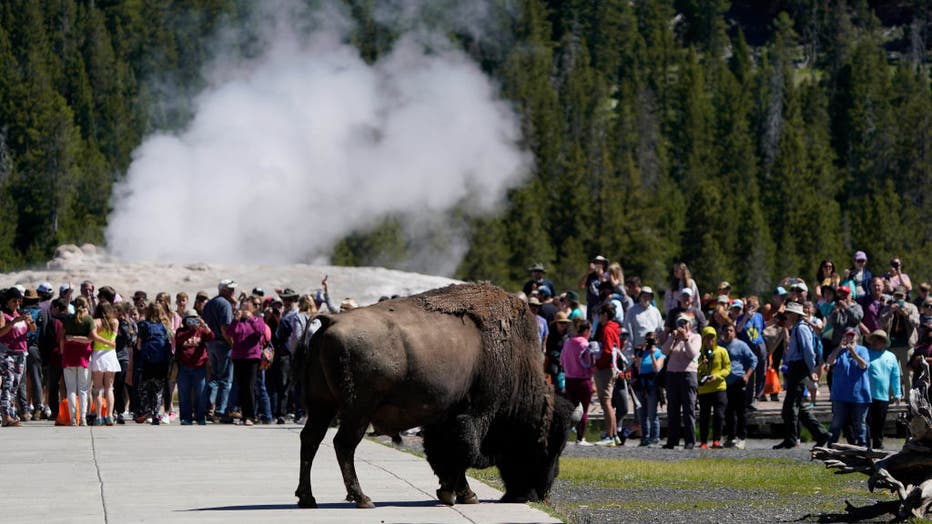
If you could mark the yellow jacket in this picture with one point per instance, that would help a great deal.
(716, 364)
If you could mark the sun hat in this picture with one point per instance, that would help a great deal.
(722, 299)
(537, 267)
(533, 301)
(647, 290)
(288, 294)
(878, 334)
(561, 318)
(794, 307)
(572, 296)
(191, 313)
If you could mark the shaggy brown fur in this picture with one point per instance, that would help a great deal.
(462, 362)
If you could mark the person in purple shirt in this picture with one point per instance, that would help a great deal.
(872, 304)
(247, 334)
(851, 389)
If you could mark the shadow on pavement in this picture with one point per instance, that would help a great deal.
(330, 505)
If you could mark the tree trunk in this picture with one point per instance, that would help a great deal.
(907, 472)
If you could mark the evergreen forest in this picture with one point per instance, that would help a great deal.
(750, 139)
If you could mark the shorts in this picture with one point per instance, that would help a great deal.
(105, 360)
(604, 383)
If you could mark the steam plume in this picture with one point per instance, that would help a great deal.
(289, 152)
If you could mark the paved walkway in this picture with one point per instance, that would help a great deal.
(217, 473)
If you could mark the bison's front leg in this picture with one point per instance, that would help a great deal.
(350, 433)
(313, 433)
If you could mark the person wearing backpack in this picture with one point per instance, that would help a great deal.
(573, 358)
(155, 355)
(15, 325)
(801, 364)
(80, 332)
(33, 409)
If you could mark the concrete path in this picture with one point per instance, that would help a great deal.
(215, 473)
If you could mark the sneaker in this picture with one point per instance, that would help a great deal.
(280, 420)
(606, 442)
(154, 421)
(669, 445)
(165, 418)
(703, 446)
(202, 422)
(46, 413)
(739, 444)
(27, 417)
(716, 444)
(98, 421)
(249, 422)
(619, 441)
(186, 423)
(689, 445)
(730, 443)
(142, 419)
(644, 443)
(583, 443)
(108, 420)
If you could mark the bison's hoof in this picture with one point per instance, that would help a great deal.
(307, 502)
(467, 497)
(365, 503)
(445, 497)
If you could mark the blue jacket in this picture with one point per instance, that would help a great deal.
(742, 359)
(884, 373)
(850, 383)
(753, 332)
(800, 347)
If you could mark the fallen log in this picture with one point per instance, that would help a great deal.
(907, 472)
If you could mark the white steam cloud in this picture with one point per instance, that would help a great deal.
(291, 151)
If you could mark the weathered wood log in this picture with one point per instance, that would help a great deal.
(907, 473)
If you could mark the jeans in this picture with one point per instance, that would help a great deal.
(77, 382)
(795, 409)
(247, 371)
(192, 394)
(120, 397)
(681, 405)
(263, 406)
(759, 378)
(735, 420)
(278, 382)
(844, 413)
(710, 403)
(11, 372)
(34, 372)
(221, 376)
(649, 397)
(579, 391)
(876, 420)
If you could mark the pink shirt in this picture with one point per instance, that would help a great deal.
(15, 339)
(683, 354)
(569, 358)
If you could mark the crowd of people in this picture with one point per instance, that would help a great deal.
(719, 354)
(123, 359)
(712, 356)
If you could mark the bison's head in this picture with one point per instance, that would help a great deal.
(529, 474)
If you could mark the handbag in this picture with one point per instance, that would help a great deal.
(771, 380)
(266, 356)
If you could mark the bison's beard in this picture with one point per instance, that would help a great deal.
(528, 477)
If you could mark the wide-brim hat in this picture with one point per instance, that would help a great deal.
(878, 334)
(288, 294)
(562, 318)
(537, 267)
(795, 307)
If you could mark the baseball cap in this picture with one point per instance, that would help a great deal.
(780, 291)
(647, 290)
(724, 284)
(900, 290)
(860, 255)
(64, 288)
(737, 304)
(533, 301)
(801, 286)
(844, 290)
(688, 291)
(227, 283)
(45, 288)
(722, 299)
(683, 317)
(543, 291)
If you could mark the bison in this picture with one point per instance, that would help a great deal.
(463, 363)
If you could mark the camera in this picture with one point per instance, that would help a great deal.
(192, 321)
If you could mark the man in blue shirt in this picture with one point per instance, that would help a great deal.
(800, 359)
(218, 313)
(851, 390)
(743, 364)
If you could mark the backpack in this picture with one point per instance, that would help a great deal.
(816, 345)
(590, 355)
(156, 348)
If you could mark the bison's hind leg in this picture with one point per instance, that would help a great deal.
(352, 430)
(318, 420)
